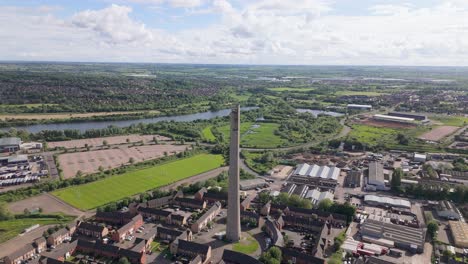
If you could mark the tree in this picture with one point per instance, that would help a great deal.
(104, 143)
(325, 205)
(123, 260)
(131, 160)
(155, 140)
(402, 139)
(4, 212)
(79, 174)
(396, 179)
(264, 197)
(272, 256)
(432, 228)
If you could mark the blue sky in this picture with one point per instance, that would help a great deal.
(338, 32)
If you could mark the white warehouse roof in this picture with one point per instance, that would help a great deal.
(316, 196)
(359, 106)
(387, 201)
(317, 171)
(396, 118)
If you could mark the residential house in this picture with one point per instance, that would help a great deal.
(58, 237)
(92, 230)
(154, 214)
(128, 228)
(20, 255)
(233, 257)
(190, 203)
(203, 221)
(40, 244)
(192, 250)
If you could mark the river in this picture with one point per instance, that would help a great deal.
(87, 125)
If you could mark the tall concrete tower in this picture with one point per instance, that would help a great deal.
(233, 229)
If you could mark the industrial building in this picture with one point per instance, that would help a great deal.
(246, 185)
(408, 115)
(421, 158)
(460, 233)
(386, 201)
(397, 119)
(353, 179)
(394, 235)
(446, 209)
(324, 172)
(359, 107)
(10, 144)
(316, 196)
(376, 177)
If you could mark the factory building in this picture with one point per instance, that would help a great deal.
(315, 171)
(396, 119)
(408, 115)
(10, 144)
(359, 107)
(386, 201)
(375, 177)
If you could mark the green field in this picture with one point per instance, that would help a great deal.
(11, 228)
(247, 245)
(458, 121)
(207, 134)
(252, 136)
(291, 89)
(372, 136)
(366, 93)
(114, 188)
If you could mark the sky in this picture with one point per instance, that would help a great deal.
(292, 32)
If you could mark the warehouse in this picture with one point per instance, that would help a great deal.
(408, 115)
(386, 201)
(400, 236)
(324, 172)
(10, 144)
(421, 158)
(445, 209)
(353, 179)
(316, 196)
(359, 107)
(394, 119)
(376, 176)
(460, 233)
(252, 184)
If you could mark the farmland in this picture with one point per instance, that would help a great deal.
(50, 116)
(292, 89)
(114, 188)
(365, 93)
(438, 133)
(81, 143)
(90, 161)
(12, 228)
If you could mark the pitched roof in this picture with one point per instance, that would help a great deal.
(7, 141)
(21, 251)
(238, 258)
(193, 247)
(169, 231)
(60, 232)
(189, 201)
(91, 227)
(210, 211)
(154, 211)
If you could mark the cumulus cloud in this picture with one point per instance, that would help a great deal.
(264, 31)
(113, 23)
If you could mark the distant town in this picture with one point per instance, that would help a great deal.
(311, 169)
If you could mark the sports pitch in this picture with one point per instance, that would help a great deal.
(114, 188)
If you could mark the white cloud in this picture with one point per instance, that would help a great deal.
(113, 23)
(266, 31)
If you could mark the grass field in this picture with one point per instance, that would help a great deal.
(11, 228)
(207, 134)
(291, 89)
(261, 136)
(366, 93)
(372, 136)
(247, 244)
(458, 121)
(114, 188)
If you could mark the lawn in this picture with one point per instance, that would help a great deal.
(207, 134)
(114, 188)
(458, 121)
(371, 136)
(259, 135)
(247, 244)
(291, 89)
(366, 93)
(11, 228)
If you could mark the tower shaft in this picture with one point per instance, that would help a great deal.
(233, 229)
